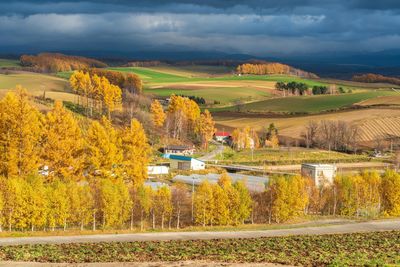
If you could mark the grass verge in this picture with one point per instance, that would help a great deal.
(361, 249)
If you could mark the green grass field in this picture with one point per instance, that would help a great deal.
(359, 249)
(309, 104)
(221, 94)
(6, 63)
(283, 156)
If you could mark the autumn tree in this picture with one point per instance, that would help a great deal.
(205, 128)
(157, 113)
(204, 204)
(391, 193)
(103, 148)
(136, 152)
(20, 130)
(62, 149)
(163, 204)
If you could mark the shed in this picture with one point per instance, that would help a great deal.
(185, 163)
(222, 136)
(157, 170)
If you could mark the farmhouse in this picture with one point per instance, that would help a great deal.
(179, 150)
(321, 174)
(185, 163)
(222, 136)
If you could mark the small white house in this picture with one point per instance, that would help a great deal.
(157, 170)
(320, 173)
(222, 136)
(185, 163)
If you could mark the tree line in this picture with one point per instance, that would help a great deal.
(268, 68)
(375, 78)
(332, 135)
(55, 62)
(299, 88)
(367, 194)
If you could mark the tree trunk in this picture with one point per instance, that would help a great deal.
(94, 221)
(178, 218)
(132, 220)
(162, 221)
(154, 220)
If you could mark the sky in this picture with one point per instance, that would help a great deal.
(255, 27)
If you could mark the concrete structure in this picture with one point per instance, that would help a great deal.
(320, 173)
(179, 150)
(222, 136)
(185, 163)
(253, 183)
(157, 170)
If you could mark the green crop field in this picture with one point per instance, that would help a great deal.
(5, 63)
(283, 156)
(221, 94)
(309, 104)
(360, 249)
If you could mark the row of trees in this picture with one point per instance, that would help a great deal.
(367, 194)
(375, 78)
(293, 88)
(263, 69)
(98, 93)
(244, 138)
(54, 62)
(35, 204)
(183, 118)
(65, 147)
(332, 135)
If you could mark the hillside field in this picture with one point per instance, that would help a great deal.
(36, 84)
(293, 126)
(309, 104)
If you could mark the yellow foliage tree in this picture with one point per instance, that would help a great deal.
(136, 152)
(391, 193)
(162, 204)
(205, 128)
(157, 113)
(20, 130)
(104, 148)
(204, 204)
(62, 148)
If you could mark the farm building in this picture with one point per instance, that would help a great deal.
(320, 173)
(179, 150)
(157, 170)
(253, 183)
(222, 136)
(185, 163)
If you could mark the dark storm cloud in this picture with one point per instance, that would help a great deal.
(254, 26)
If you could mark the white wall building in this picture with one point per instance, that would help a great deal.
(185, 163)
(320, 173)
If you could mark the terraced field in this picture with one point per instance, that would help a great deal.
(294, 126)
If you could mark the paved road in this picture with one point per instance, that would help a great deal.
(383, 225)
(212, 154)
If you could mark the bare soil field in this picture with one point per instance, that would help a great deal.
(294, 126)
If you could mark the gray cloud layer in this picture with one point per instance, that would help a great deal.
(254, 26)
